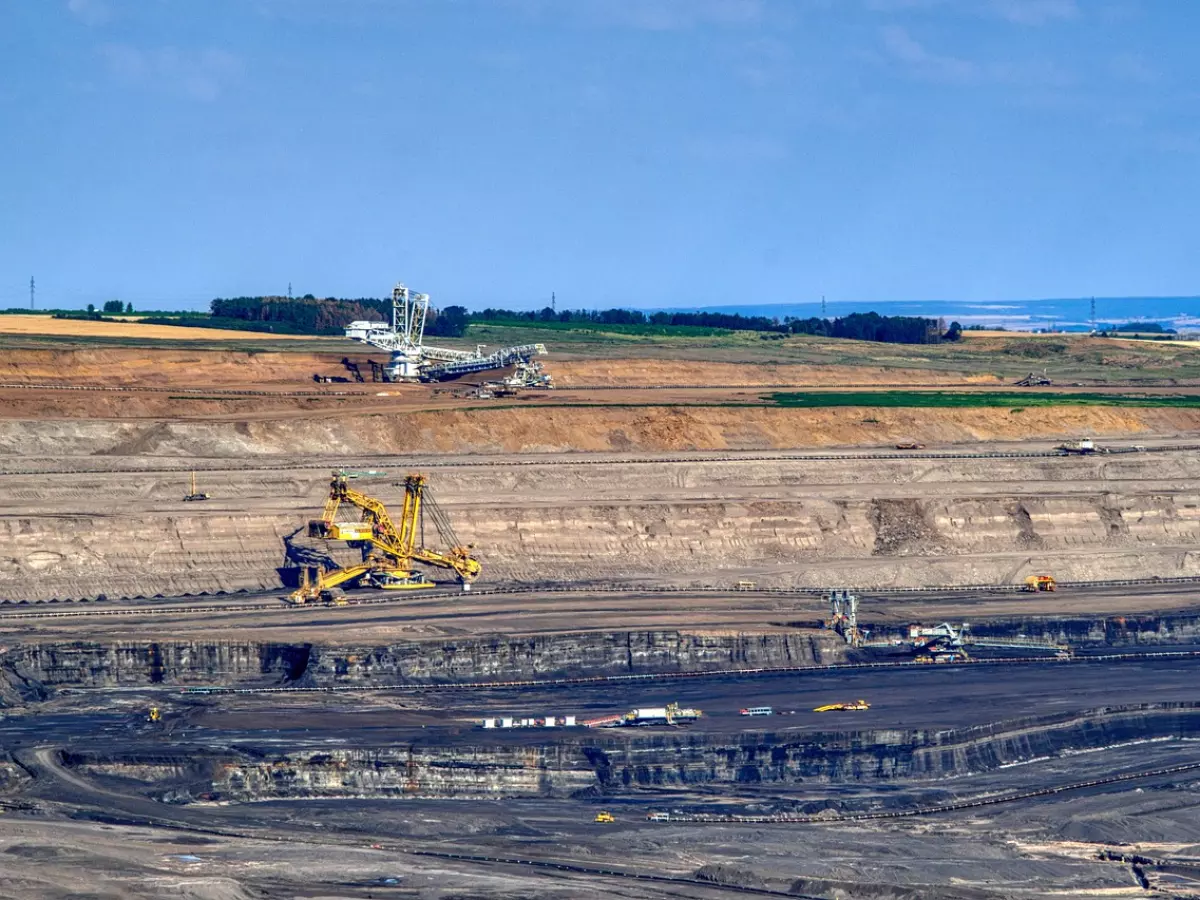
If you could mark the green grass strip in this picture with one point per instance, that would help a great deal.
(959, 399)
(604, 328)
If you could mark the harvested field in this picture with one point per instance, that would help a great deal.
(48, 325)
(651, 372)
(168, 368)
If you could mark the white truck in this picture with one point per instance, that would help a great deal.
(1083, 445)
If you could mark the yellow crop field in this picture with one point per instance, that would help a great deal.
(129, 328)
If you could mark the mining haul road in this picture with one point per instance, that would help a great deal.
(387, 617)
(947, 696)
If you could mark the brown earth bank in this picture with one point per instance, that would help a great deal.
(548, 429)
(870, 523)
(864, 544)
(168, 368)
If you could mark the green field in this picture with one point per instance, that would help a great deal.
(1007, 399)
(641, 330)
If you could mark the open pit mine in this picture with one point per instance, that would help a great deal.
(550, 653)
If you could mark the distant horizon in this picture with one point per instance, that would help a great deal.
(1058, 313)
(671, 150)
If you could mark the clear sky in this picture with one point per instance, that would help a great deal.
(617, 152)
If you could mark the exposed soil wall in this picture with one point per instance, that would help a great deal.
(597, 428)
(608, 763)
(33, 670)
(1111, 631)
(771, 757)
(886, 542)
(869, 524)
(46, 666)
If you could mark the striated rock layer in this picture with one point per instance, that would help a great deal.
(614, 764)
(121, 664)
(789, 522)
(33, 670)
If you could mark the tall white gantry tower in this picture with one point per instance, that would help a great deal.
(409, 311)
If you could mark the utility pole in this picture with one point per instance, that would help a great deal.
(822, 306)
(289, 290)
(553, 302)
(1093, 315)
(31, 303)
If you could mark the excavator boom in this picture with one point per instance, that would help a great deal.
(319, 590)
(457, 559)
(395, 546)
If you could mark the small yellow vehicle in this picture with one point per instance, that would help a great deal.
(843, 707)
(604, 818)
(154, 715)
(1037, 583)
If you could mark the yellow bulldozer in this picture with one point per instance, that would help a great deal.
(389, 548)
(849, 706)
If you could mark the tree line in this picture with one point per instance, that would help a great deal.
(329, 315)
(869, 326)
(310, 315)
(305, 315)
(617, 316)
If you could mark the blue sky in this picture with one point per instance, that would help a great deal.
(631, 152)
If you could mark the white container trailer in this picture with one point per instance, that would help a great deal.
(650, 714)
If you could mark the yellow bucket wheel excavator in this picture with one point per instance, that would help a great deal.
(389, 549)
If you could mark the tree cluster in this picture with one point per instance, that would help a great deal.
(871, 326)
(449, 322)
(856, 326)
(306, 315)
(1145, 328)
(730, 321)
